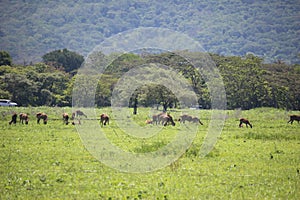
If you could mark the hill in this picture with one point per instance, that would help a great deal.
(268, 29)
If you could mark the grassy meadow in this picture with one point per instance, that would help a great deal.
(50, 161)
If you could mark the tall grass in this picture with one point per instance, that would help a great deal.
(50, 161)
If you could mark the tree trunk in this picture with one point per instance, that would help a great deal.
(135, 106)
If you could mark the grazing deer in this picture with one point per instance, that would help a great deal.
(294, 118)
(156, 118)
(104, 118)
(66, 118)
(24, 117)
(13, 119)
(184, 118)
(42, 116)
(78, 113)
(244, 121)
(165, 119)
(189, 118)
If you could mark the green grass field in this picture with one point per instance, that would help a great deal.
(51, 162)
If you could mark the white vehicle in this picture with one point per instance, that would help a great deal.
(6, 102)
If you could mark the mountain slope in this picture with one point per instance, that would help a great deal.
(269, 29)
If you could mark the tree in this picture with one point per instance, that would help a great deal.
(165, 97)
(19, 87)
(5, 58)
(34, 85)
(65, 59)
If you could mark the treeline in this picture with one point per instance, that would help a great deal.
(249, 83)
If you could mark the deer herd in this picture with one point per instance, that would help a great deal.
(158, 119)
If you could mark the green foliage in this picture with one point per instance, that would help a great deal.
(67, 60)
(267, 28)
(123, 63)
(284, 85)
(5, 58)
(104, 89)
(34, 85)
(249, 83)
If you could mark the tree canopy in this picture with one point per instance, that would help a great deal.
(65, 59)
(35, 85)
(5, 58)
(266, 28)
(249, 83)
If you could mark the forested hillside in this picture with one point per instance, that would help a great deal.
(249, 83)
(266, 28)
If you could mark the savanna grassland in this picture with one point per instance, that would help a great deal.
(51, 162)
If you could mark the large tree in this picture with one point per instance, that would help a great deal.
(5, 58)
(65, 59)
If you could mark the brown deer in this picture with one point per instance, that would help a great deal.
(165, 119)
(42, 116)
(156, 118)
(294, 118)
(24, 117)
(245, 121)
(104, 118)
(78, 113)
(189, 118)
(65, 118)
(184, 118)
(13, 119)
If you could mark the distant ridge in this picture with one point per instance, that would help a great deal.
(268, 29)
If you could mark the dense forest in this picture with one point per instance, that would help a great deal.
(249, 83)
(266, 28)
